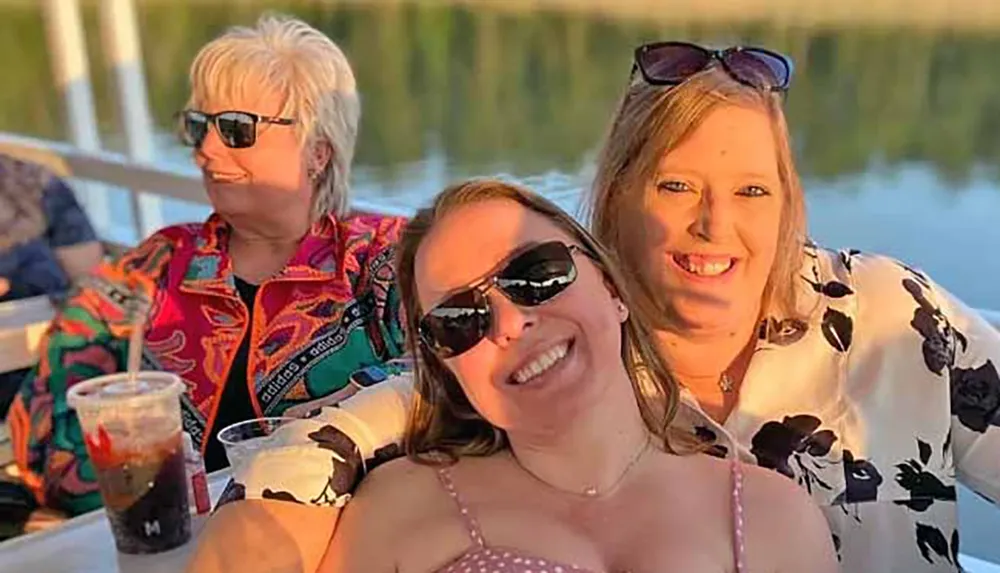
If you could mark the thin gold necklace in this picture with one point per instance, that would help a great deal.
(591, 491)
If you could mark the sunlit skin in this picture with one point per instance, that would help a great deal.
(713, 214)
(273, 172)
(586, 317)
(264, 192)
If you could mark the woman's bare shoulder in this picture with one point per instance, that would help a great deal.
(390, 502)
(399, 483)
(784, 528)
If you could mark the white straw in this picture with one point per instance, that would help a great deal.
(135, 341)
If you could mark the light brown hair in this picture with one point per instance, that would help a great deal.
(442, 420)
(650, 121)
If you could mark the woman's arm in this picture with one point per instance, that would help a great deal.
(291, 490)
(69, 232)
(975, 396)
(80, 259)
(939, 341)
(361, 433)
(264, 536)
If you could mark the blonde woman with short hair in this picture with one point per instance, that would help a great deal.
(272, 302)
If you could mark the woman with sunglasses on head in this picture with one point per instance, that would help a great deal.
(272, 302)
(854, 375)
(539, 437)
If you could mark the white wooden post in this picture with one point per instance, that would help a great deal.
(123, 51)
(64, 29)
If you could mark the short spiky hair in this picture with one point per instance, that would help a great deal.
(300, 62)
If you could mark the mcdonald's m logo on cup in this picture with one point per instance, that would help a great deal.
(152, 527)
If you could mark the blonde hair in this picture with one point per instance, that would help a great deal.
(652, 120)
(442, 420)
(300, 62)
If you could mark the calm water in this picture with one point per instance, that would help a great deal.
(897, 131)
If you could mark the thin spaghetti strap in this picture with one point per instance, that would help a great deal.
(444, 476)
(739, 547)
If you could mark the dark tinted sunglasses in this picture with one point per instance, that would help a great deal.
(531, 278)
(671, 63)
(236, 129)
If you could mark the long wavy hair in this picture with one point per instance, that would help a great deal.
(442, 421)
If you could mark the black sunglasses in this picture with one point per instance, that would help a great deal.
(671, 63)
(236, 129)
(530, 278)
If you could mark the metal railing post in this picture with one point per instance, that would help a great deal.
(119, 30)
(64, 29)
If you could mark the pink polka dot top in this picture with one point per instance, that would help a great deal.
(482, 558)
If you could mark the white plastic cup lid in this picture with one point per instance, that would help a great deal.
(150, 387)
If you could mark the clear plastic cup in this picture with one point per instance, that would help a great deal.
(243, 440)
(133, 434)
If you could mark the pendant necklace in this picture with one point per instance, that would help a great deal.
(592, 491)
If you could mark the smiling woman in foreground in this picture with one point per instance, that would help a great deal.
(540, 434)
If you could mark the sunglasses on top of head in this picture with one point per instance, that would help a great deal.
(672, 63)
(529, 278)
(236, 129)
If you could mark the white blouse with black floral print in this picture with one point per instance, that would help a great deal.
(876, 404)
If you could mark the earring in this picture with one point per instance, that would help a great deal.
(622, 311)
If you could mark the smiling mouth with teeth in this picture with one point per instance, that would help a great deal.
(224, 177)
(541, 363)
(704, 265)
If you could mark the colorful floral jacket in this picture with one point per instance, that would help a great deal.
(332, 310)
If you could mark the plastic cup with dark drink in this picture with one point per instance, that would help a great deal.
(132, 428)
